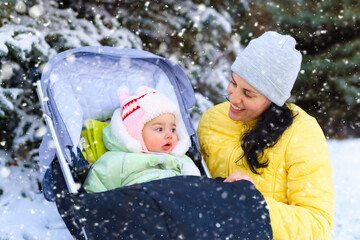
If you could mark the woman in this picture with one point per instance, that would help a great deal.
(277, 146)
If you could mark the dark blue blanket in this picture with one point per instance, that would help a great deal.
(184, 207)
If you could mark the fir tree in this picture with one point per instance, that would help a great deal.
(30, 34)
(327, 33)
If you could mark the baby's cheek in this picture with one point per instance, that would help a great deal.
(176, 139)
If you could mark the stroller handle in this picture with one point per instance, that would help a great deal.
(70, 182)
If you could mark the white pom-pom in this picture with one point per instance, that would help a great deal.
(122, 90)
(144, 89)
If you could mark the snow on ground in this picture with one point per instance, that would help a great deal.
(345, 158)
(25, 214)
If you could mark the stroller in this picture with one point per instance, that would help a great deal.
(81, 84)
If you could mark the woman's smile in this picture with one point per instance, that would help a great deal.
(236, 109)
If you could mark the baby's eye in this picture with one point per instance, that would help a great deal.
(158, 129)
(173, 130)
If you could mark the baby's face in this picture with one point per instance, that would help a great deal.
(159, 134)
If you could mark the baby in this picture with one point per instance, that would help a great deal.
(145, 141)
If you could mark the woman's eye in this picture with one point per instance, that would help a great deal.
(246, 93)
(233, 82)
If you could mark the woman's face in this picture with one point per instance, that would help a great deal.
(246, 103)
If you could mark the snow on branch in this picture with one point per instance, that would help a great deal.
(5, 103)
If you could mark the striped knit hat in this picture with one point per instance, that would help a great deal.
(127, 123)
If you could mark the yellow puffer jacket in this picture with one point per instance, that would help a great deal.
(297, 184)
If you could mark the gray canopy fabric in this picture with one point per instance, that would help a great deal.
(81, 83)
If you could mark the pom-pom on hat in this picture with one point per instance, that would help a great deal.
(128, 121)
(270, 63)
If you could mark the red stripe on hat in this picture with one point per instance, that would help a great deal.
(135, 99)
(128, 114)
(131, 102)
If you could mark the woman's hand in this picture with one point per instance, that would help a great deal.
(236, 176)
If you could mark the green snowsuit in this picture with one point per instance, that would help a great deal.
(118, 167)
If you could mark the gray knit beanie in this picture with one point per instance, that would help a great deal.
(270, 63)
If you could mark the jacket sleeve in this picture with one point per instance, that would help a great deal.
(105, 173)
(93, 182)
(310, 193)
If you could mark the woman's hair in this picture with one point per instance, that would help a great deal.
(270, 126)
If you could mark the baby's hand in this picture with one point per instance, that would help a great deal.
(236, 176)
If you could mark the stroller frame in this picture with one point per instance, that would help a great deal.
(49, 114)
(65, 168)
(79, 209)
(69, 179)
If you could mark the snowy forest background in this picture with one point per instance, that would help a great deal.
(203, 37)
